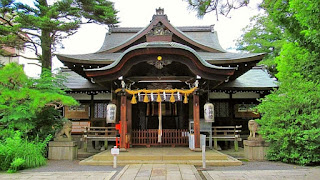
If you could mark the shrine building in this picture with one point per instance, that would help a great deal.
(159, 83)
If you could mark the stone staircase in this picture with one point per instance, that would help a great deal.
(162, 155)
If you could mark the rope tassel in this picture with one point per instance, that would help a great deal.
(145, 99)
(172, 99)
(133, 100)
(159, 98)
(185, 101)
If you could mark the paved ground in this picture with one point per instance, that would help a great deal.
(86, 175)
(249, 170)
(308, 174)
(65, 170)
(158, 171)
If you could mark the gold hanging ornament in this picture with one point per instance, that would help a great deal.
(172, 98)
(186, 93)
(159, 98)
(185, 101)
(146, 99)
(133, 100)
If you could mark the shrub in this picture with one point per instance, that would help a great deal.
(30, 105)
(18, 153)
(291, 122)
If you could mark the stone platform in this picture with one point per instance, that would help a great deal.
(62, 150)
(162, 155)
(255, 149)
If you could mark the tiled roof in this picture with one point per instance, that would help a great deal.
(255, 79)
(76, 82)
(213, 58)
(201, 34)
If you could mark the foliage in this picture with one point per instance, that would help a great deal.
(18, 153)
(46, 122)
(300, 20)
(23, 101)
(296, 61)
(262, 36)
(16, 164)
(42, 26)
(290, 115)
(291, 122)
(223, 7)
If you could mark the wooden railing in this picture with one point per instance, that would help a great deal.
(226, 133)
(99, 133)
(148, 137)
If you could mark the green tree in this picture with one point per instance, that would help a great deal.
(42, 26)
(290, 116)
(24, 100)
(262, 36)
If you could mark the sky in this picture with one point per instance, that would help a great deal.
(138, 13)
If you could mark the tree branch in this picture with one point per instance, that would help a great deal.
(36, 64)
(19, 55)
(32, 34)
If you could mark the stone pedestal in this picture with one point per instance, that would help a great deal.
(255, 149)
(63, 150)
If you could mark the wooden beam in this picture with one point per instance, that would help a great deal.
(196, 119)
(123, 119)
(157, 78)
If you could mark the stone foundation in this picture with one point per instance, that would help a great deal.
(63, 150)
(255, 149)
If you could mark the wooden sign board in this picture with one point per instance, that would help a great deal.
(249, 113)
(78, 127)
(77, 112)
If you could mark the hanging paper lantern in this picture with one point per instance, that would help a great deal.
(164, 96)
(159, 98)
(185, 101)
(151, 96)
(133, 100)
(172, 98)
(111, 113)
(146, 99)
(209, 112)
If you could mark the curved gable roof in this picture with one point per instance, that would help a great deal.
(118, 40)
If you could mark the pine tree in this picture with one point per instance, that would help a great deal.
(41, 26)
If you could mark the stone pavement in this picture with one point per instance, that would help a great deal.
(61, 170)
(158, 171)
(307, 174)
(85, 175)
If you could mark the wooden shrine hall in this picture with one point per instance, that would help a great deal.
(153, 83)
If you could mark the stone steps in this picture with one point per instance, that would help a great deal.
(103, 157)
(162, 156)
(228, 162)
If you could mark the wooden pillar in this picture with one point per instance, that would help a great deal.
(196, 119)
(231, 109)
(129, 119)
(91, 108)
(123, 119)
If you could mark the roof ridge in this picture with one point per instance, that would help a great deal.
(204, 28)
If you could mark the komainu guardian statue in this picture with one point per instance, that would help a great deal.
(65, 133)
(253, 128)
